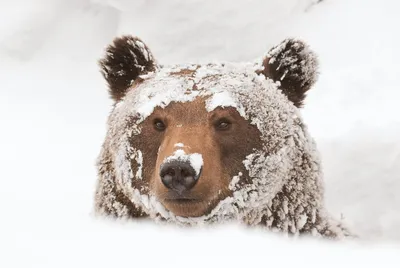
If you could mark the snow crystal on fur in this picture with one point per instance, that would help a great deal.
(125, 59)
(294, 66)
(303, 61)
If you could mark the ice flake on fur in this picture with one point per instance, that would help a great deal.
(125, 156)
(143, 49)
(123, 167)
(195, 160)
(234, 181)
(139, 160)
(301, 222)
(138, 44)
(180, 145)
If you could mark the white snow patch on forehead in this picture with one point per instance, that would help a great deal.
(179, 145)
(219, 84)
(222, 99)
(151, 98)
(195, 160)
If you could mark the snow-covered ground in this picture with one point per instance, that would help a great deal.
(54, 104)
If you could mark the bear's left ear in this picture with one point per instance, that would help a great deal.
(295, 66)
(125, 59)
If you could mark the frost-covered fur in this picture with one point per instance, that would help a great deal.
(285, 192)
(294, 66)
(126, 59)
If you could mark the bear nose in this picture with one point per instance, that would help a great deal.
(178, 176)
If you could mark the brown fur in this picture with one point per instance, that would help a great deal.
(184, 72)
(293, 76)
(124, 62)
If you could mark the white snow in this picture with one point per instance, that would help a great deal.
(139, 160)
(223, 99)
(146, 101)
(196, 161)
(144, 51)
(179, 144)
(234, 181)
(53, 107)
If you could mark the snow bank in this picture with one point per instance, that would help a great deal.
(53, 107)
(110, 244)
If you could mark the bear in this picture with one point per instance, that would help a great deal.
(195, 144)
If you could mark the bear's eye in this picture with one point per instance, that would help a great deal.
(159, 125)
(223, 124)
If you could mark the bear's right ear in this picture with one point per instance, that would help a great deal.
(125, 59)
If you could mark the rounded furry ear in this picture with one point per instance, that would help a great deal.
(125, 59)
(295, 66)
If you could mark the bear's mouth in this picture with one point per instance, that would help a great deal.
(187, 206)
(183, 200)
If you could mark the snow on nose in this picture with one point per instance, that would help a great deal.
(195, 160)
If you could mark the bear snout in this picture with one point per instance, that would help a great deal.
(179, 176)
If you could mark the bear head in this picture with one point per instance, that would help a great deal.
(196, 143)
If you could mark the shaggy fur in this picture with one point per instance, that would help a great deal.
(270, 171)
(126, 59)
(294, 66)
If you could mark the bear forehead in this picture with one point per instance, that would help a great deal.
(206, 77)
(221, 85)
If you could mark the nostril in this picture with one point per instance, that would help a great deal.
(170, 172)
(167, 180)
(186, 173)
(189, 181)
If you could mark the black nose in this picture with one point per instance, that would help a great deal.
(178, 176)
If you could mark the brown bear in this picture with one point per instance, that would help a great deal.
(194, 144)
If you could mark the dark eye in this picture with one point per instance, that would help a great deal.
(223, 124)
(159, 125)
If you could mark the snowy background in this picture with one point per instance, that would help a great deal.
(54, 104)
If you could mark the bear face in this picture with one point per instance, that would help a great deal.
(207, 143)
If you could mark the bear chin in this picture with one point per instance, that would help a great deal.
(189, 208)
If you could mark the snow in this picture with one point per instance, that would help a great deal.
(223, 99)
(154, 95)
(143, 49)
(196, 161)
(140, 164)
(53, 107)
(234, 181)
